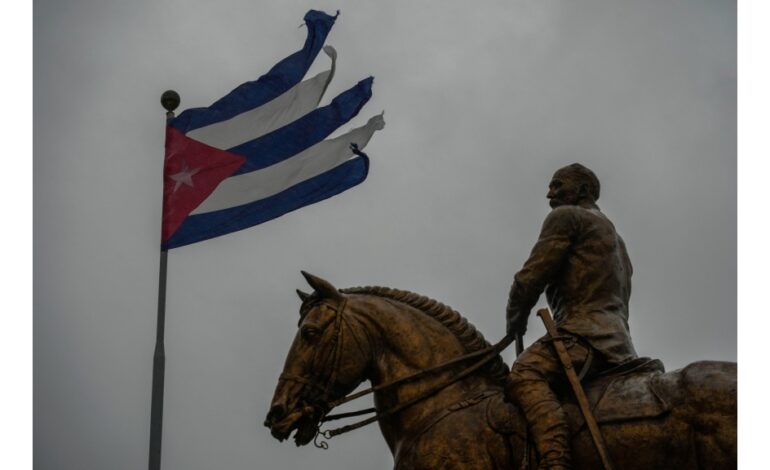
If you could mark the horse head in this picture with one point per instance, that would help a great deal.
(325, 362)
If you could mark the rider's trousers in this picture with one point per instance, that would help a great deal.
(534, 376)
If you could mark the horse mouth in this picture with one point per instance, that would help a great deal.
(305, 425)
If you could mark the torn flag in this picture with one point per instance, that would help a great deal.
(259, 152)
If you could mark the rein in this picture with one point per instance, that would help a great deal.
(486, 354)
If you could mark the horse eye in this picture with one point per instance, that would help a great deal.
(309, 333)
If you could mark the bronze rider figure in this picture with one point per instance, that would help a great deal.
(582, 265)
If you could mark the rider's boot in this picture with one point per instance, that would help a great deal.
(547, 420)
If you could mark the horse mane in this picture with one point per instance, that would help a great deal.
(469, 337)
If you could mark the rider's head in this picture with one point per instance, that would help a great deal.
(573, 185)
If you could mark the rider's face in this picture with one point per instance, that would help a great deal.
(564, 189)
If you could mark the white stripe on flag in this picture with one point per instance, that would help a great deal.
(286, 108)
(320, 158)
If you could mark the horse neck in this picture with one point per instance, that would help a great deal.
(404, 341)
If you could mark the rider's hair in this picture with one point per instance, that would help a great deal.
(586, 176)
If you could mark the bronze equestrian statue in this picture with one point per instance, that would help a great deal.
(683, 420)
(582, 264)
(444, 398)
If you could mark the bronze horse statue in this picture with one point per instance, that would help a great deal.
(687, 420)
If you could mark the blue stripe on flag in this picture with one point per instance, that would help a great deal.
(284, 75)
(213, 224)
(305, 131)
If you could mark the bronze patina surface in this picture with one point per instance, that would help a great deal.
(684, 419)
(582, 264)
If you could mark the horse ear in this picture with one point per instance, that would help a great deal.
(322, 286)
(303, 296)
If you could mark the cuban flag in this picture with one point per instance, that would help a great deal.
(262, 150)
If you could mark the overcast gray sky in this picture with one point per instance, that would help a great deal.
(482, 103)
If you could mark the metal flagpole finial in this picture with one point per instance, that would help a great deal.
(170, 101)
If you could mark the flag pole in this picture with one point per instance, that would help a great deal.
(170, 100)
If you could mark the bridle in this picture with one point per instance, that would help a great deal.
(318, 390)
(325, 385)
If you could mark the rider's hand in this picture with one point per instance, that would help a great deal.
(516, 322)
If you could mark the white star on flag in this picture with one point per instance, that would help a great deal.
(184, 176)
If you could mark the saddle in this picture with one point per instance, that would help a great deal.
(634, 390)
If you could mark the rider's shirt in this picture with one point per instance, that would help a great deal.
(582, 264)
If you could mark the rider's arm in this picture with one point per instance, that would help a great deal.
(556, 237)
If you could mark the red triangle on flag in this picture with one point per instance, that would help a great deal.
(191, 172)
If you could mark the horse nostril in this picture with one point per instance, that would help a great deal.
(276, 413)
